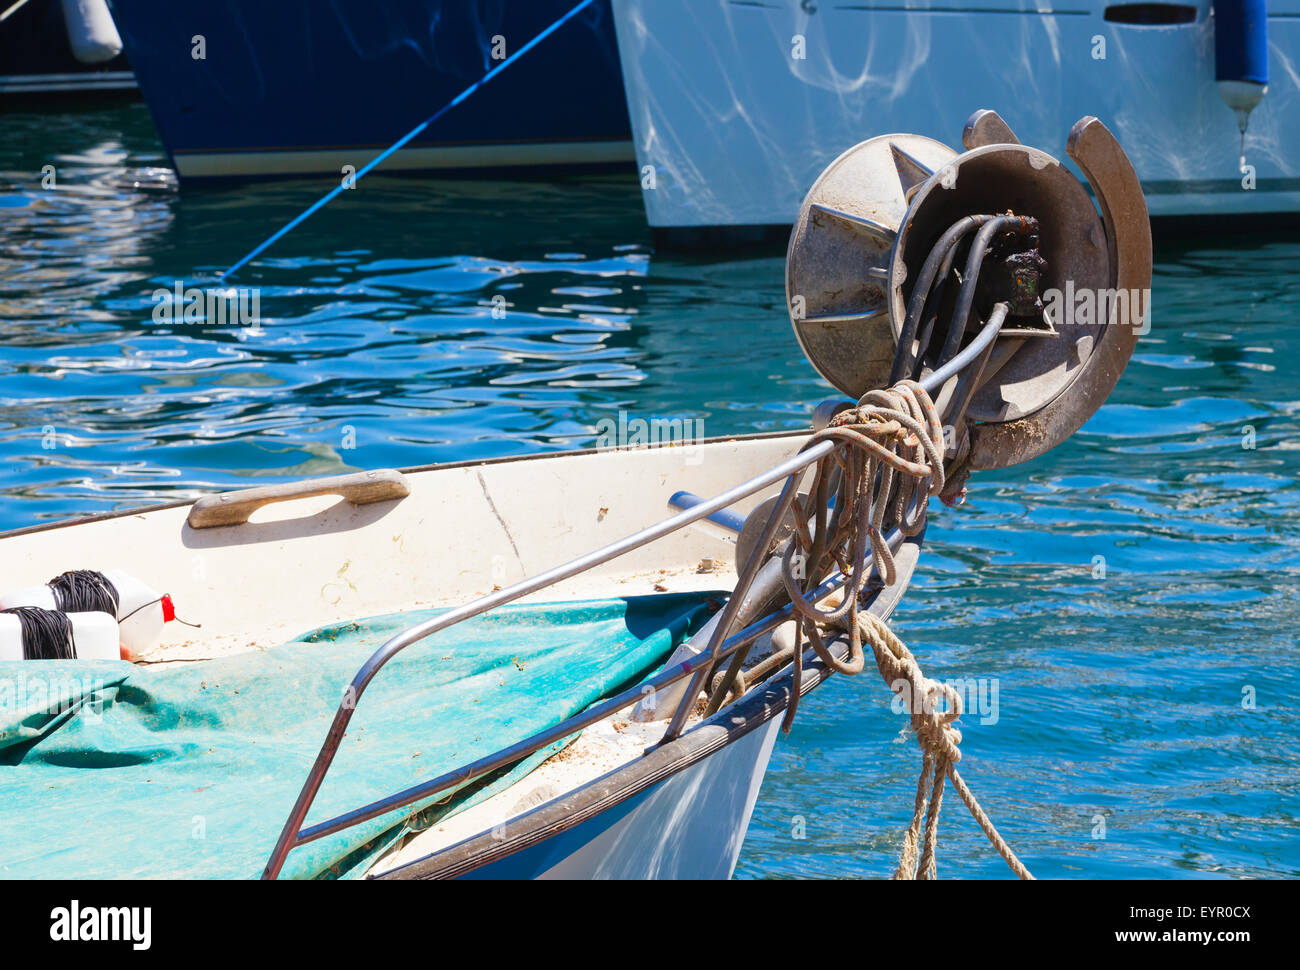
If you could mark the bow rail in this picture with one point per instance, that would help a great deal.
(722, 642)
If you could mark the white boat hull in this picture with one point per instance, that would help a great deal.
(690, 826)
(731, 126)
(611, 812)
(463, 530)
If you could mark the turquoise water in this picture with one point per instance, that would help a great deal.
(1146, 717)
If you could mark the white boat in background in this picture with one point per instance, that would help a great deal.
(736, 106)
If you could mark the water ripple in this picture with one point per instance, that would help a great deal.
(1133, 595)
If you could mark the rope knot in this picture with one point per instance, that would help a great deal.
(888, 461)
(936, 707)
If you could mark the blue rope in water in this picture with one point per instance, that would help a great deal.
(387, 152)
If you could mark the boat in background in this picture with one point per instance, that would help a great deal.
(736, 107)
(252, 89)
(61, 47)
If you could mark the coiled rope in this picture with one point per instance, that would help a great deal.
(47, 634)
(84, 591)
(890, 464)
(90, 591)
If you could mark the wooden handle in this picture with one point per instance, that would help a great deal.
(234, 508)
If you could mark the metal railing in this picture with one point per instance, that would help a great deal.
(722, 642)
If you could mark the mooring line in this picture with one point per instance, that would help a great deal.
(387, 152)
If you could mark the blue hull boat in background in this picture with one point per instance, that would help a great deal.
(297, 87)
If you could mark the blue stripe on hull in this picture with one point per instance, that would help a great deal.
(535, 861)
(299, 75)
(691, 825)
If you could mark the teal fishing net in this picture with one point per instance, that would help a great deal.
(114, 771)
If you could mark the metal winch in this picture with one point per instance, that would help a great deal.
(904, 248)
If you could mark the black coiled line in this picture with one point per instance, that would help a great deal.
(84, 591)
(47, 635)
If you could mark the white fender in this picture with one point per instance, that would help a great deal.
(41, 596)
(141, 610)
(94, 635)
(91, 31)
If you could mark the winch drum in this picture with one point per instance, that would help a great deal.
(872, 218)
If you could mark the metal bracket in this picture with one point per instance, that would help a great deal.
(1128, 243)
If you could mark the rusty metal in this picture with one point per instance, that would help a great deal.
(986, 127)
(875, 206)
(1014, 274)
(1124, 235)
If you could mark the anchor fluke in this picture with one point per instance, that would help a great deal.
(912, 173)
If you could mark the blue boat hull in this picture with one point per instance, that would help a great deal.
(299, 87)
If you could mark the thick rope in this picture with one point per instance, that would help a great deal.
(890, 464)
(933, 707)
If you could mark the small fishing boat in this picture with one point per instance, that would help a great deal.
(577, 665)
(51, 48)
(293, 88)
(1205, 96)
